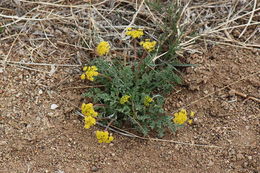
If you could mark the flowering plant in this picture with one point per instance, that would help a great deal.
(129, 94)
(131, 85)
(132, 91)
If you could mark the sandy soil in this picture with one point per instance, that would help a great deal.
(35, 138)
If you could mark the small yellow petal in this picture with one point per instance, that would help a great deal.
(94, 68)
(85, 68)
(83, 76)
(183, 111)
(111, 138)
(124, 99)
(147, 100)
(91, 78)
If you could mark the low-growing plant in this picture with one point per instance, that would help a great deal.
(132, 94)
(131, 91)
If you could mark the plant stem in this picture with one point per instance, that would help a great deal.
(105, 76)
(135, 53)
(109, 124)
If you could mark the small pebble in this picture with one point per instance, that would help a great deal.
(40, 91)
(211, 163)
(60, 171)
(94, 169)
(54, 106)
(206, 91)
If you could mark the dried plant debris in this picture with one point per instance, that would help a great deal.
(43, 29)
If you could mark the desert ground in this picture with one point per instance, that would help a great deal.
(40, 93)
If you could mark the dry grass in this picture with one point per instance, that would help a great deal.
(224, 22)
(43, 31)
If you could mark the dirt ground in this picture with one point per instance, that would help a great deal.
(36, 138)
(40, 131)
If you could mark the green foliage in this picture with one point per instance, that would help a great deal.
(2, 29)
(137, 81)
(169, 34)
(141, 78)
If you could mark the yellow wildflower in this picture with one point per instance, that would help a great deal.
(192, 114)
(124, 99)
(103, 48)
(88, 110)
(104, 137)
(180, 117)
(83, 76)
(147, 100)
(190, 121)
(89, 121)
(90, 72)
(135, 33)
(148, 45)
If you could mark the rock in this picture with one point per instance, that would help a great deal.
(60, 171)
(3, 142)
(249, 157)
(211, 163)
(54, 106)
(206, 91)
(94, 169)
(40, 92)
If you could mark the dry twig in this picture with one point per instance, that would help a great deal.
(232, 92)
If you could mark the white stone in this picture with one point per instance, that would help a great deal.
(40, 92)
(54, 106)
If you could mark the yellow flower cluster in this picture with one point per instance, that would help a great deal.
(90, 114)
(124, 99)
(147, 100)
(182, 116)
(104, 137)
(89, 121)
(103, 48)
(135, 33)
(148, 45)
(89, 73)
(88, 110)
